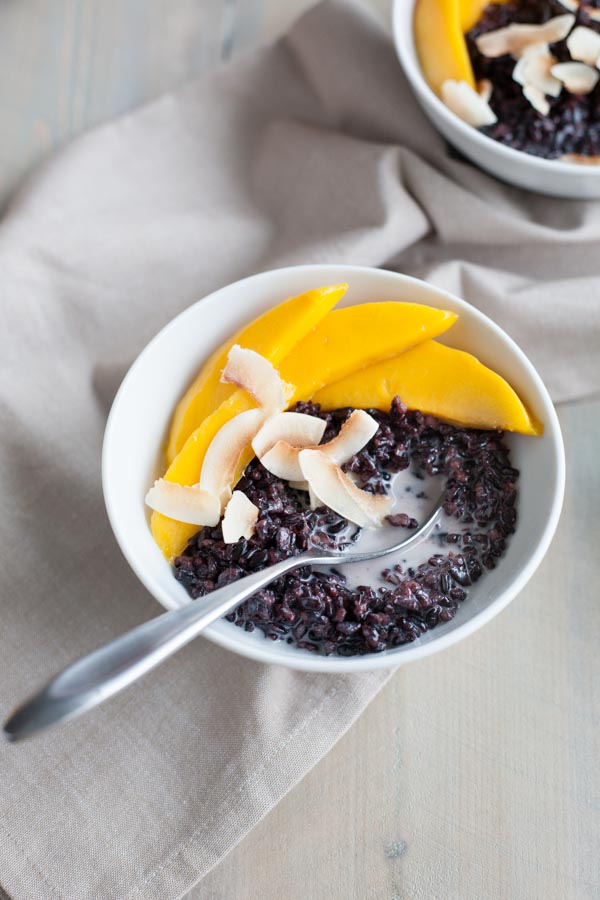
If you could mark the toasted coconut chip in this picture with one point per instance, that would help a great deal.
(299, 485)
(355, 433)
(282, 461)
(485, 89)
(240, 518)
(224, 452)
(314, 501)
(184, 503)
(584, 45)
(297, 429)
(538, 74)
(467, 104)
(576, 76)
(533, 69)
(592, 12)
(335, 490)
(524, 61)
(537, 99)
(253, 373)
(580, 160)
(515, 38)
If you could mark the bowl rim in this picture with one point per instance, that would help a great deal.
(260, 652)
(403, 39)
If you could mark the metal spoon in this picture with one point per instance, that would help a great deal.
(105, 671)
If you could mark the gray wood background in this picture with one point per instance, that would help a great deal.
(474, 775)
(66, 65)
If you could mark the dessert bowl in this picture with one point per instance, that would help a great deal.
(544, 176)
(138, 422)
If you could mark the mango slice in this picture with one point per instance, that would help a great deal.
(440, 42)
(273, 335)
(346, 340)
(436, 379)
(170, 535)
(355, 337)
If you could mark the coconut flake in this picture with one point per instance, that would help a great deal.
(467, 104)
(524, 61)
(584, 45)
(297, 429)
(592, 12)
(184, 503)
(314, 501)
(282, 461)
(576, 76)
(224, 451)
(514, 38)
(240, 518)
(282, 458)
(537, 99)
(339, 493)
(571, 5)
(253, 373)
(355, 433)
(485, 89)
(533, 69)
(580, 159)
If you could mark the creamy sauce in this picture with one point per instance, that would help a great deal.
(417, 498)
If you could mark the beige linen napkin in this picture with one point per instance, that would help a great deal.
(313, 150)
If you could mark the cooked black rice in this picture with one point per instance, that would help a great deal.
(320, 612)
(573, 124)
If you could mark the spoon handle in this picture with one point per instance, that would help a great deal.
(102, 673)
(96, 677)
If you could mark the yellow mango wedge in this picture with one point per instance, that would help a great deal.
(273, 335)
(439, 380)
(440, 42)
(346, 340)
(352, 338)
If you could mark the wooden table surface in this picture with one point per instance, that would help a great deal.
(509, 808)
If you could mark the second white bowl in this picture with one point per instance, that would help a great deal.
(545, 176)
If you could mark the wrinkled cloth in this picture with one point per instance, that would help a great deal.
(312, 150)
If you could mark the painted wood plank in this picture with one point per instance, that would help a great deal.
(70, 64)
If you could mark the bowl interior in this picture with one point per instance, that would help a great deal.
(137, 425)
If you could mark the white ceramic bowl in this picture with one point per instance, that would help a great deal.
(544, 176)
(136, 430)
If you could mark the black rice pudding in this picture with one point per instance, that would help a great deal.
(319, 610)
(572, 125)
